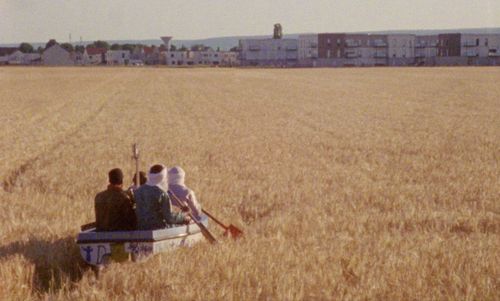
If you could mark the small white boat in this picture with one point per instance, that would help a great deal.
(98, 248)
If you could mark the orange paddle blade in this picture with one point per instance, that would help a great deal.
(233, 231)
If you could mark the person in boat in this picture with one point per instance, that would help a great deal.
(113, 206)
(181, 192)
(153, 204)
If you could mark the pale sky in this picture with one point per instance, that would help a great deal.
(40, 20)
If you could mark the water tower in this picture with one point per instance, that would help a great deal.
(166, 41)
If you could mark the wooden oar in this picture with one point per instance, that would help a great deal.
(202, 227)
(231, 230)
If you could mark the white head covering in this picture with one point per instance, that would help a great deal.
(158, 179)
(176, 176)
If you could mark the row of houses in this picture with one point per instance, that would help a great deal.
(56, 55)
(344, 49)
(14, 56)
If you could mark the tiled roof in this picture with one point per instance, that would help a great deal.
(7, 50)
(94, 51)
(148, 50)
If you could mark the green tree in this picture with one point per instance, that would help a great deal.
(39, 49)
(26, 48)
(183, 48)
(100, 44)
(80, 48)
(50, 43)
(116, 47)
(129, 47)
(67, 46)
(235, 48)
(173, 47)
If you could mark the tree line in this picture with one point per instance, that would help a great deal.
(28, 48)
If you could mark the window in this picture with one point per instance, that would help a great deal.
(123, 55)
(486, 42)
(477, 42)
(172, 55)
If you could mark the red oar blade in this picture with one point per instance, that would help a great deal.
(233, 231)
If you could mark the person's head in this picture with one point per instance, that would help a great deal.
(115, 177)
(176, 175)
(142, 178)
(157, 168)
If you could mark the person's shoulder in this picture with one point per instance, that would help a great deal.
(100, 195)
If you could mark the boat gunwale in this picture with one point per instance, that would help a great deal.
(122, 240)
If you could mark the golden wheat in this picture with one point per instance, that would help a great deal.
(349, 183)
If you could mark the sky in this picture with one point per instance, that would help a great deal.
(41, 20)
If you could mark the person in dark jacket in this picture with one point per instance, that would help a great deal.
(153, 205)
(113, 207)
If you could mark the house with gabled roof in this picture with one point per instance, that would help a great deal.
(56, 55)
(5, 54)
(94, 56)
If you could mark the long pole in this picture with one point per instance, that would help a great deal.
(202, 227)
(135, 156)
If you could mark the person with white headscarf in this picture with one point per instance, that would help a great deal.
(153, 205)
(178, 188)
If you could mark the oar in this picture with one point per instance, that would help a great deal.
(202, 227)
(231, 230)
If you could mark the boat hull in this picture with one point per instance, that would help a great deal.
(98, 248)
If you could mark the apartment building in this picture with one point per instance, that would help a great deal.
(269, 52)
(308, 50)
(340, 49)
(401, 49)
(208, 57)
(426, 49)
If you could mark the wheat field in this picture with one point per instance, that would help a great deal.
(350, 184)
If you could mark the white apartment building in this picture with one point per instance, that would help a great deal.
(480, 45)
(308, 46)
(117, 57)
(269, 52)
(426, 46)
(401, 45)
(207, 57)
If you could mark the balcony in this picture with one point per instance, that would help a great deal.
(469, 44)
(379, 44)
(419, 55)
(380, 55)
(254, 48)
(352, 44)
(470, 54)
(420, 45)
(291, 48)
(352, 55)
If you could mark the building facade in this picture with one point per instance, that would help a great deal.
(269, 52)
(57, 56)
(117, 57)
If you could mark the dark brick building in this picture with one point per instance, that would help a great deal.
(449, 44)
